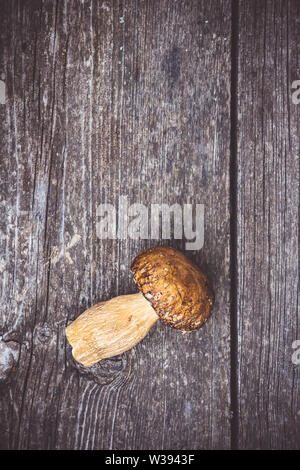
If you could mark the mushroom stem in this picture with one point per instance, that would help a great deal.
(110, 328)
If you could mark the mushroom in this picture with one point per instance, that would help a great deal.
(171, 287)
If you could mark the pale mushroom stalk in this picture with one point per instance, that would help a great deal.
(110, 328)
(172, 288)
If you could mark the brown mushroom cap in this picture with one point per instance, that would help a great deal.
(177, 289)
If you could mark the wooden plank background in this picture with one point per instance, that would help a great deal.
(163, 102)
(268, 225)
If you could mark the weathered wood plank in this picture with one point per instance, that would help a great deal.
(107, 99)
(268, 224)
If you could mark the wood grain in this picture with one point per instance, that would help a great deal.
(110, 98)
(268, 225)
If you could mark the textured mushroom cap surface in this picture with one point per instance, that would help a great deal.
(177, 289)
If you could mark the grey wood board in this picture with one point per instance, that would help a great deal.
(107, 99)
(268, 225)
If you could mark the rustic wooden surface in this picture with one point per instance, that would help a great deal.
(268, 225)
(161, 101)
